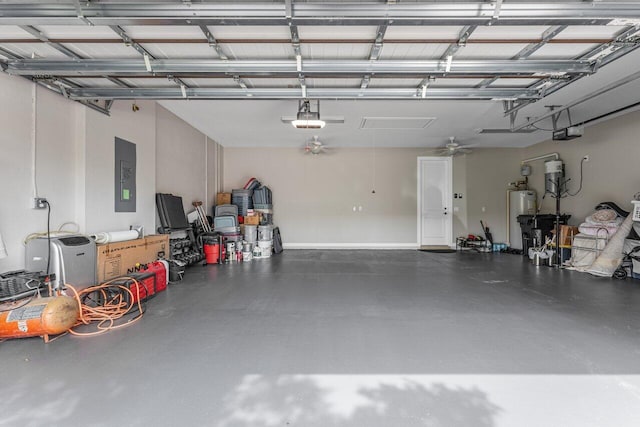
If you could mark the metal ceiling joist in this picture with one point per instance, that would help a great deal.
(374, 53)
(64, 91)
(147, 56)
(128, 41)
(8, 54)
(213, 42)
(611, 86)
(627, 37)
(318, 13)
(599, 55)
(295, 44)
(549, 34)
(77, 4)
(292, 93)
(58, 85)
(123, 67)
(253, 40)
(57, 46)
(465, 33)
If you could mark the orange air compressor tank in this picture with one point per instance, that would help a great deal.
(40, 317)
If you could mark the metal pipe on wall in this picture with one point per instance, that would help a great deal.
(544, 156)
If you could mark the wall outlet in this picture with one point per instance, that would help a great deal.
(39, 203)
(585, 158)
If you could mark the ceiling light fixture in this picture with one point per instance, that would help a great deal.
(299, 63)
(304, 91)
(447, 67)
(184, 91)
(307, 119)
(424, 91)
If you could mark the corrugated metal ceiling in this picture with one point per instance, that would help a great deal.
(400, 43)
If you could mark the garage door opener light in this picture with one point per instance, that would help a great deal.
(307, 119)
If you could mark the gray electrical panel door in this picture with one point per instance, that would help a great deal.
(125, 176)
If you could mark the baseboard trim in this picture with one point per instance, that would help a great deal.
(404, 246)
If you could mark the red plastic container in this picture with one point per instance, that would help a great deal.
(212, 253)
(160, 271)
(145, 288)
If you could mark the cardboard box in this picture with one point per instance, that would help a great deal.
(252, 220)
(120, 259)
(223, 199)
(567, 233)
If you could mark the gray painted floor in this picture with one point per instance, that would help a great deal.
(357, 338)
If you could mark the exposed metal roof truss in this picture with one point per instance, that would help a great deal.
(467, 50)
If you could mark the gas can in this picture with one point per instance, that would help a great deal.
(158, 268)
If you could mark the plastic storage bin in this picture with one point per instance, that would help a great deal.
(243, 200)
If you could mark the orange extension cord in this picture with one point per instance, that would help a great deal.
(114, 307)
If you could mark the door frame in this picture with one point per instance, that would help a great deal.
(449, 189)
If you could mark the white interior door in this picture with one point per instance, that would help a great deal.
(435, 216)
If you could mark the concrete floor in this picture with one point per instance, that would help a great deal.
(348, 338)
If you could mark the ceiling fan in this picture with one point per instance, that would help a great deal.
(315, 146)
(452, 148)
(308, 119)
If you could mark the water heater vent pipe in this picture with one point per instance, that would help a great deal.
(533, 159)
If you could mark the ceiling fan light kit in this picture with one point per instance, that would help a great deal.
(315, 146)
(452, 148)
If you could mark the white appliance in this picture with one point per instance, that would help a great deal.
(522, 202)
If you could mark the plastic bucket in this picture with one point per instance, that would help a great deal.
(266, 247)
(250, 233)
(265, 232)
(211, 253)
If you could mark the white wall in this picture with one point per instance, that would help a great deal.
(55, 163)
(214, 171)
(611, 173)
(186, 161)
(181, 159)
(488, 173)
(75, 163)
(100, 133)
(314, 196)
